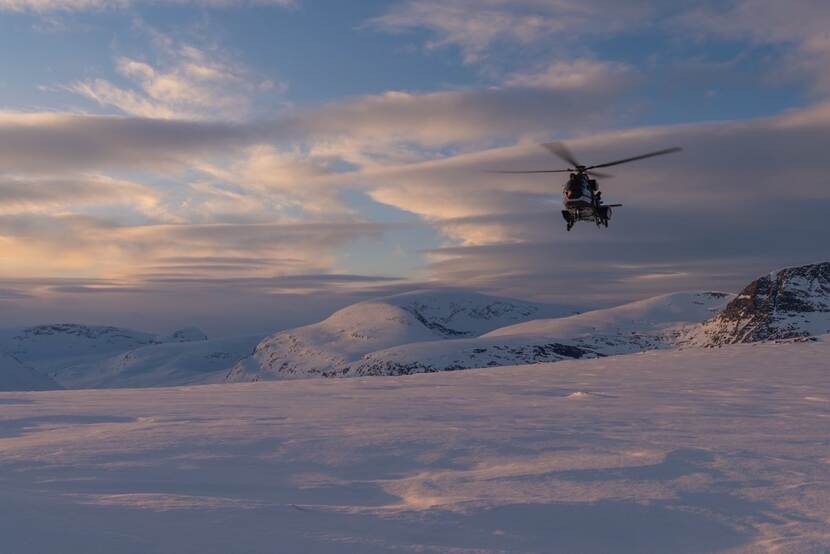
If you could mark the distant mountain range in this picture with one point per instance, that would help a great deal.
(69, 355)
(416, 332)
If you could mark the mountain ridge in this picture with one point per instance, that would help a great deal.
(326, 347)
(791, 302)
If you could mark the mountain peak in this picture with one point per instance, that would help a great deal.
(788, 303)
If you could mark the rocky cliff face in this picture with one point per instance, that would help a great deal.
(789, 303)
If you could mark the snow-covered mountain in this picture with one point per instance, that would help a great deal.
(14, 376)
(351, 333)
(644, 325)
(419, 332)
(167, 364)
(55, 349)
(789, 303)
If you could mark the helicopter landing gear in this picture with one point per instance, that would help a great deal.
(569, 219)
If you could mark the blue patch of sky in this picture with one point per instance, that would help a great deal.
(702, 80)
(324, 50)
(38, 53)
(398, 251)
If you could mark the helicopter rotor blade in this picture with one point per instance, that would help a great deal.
(599, 174)
(635, 158)
(559, 149)
(531, 171)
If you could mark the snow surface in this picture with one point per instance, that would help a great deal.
(698, 450)
(327, 347)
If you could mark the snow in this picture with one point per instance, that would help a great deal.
(16, 376)
(697, 450)
(652, 314)
(167, 364)
(643, 325)
(365, 327)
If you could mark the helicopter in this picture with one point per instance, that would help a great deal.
(582, 197)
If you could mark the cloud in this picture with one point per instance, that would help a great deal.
(798, 24)
(465, 115)
(475, 26)
(187, 83)
(78, 5)
(56, 245)
(288, 179)
(52, 194)
(742, 198)
(576, 75)
(51, 142)
(31, 142)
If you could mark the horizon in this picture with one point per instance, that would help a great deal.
(220, 165)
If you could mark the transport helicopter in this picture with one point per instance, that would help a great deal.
(582, 197)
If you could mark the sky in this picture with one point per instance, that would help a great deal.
(250, 165)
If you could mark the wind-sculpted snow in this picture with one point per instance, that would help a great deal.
(793, 302)
(328, 347)
(681, 451)
(645, 325)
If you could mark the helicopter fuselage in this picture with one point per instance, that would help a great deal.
(583, 202)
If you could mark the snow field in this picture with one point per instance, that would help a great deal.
(666, 451)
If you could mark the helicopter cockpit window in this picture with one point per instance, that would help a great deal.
(573, 188)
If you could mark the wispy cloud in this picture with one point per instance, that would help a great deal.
(799, 24)
(477, 25)
(185, 82)
(712, 215)
(52, 194)
(59, 245)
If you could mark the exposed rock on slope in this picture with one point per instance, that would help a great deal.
(789, 303)
(188, 334)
